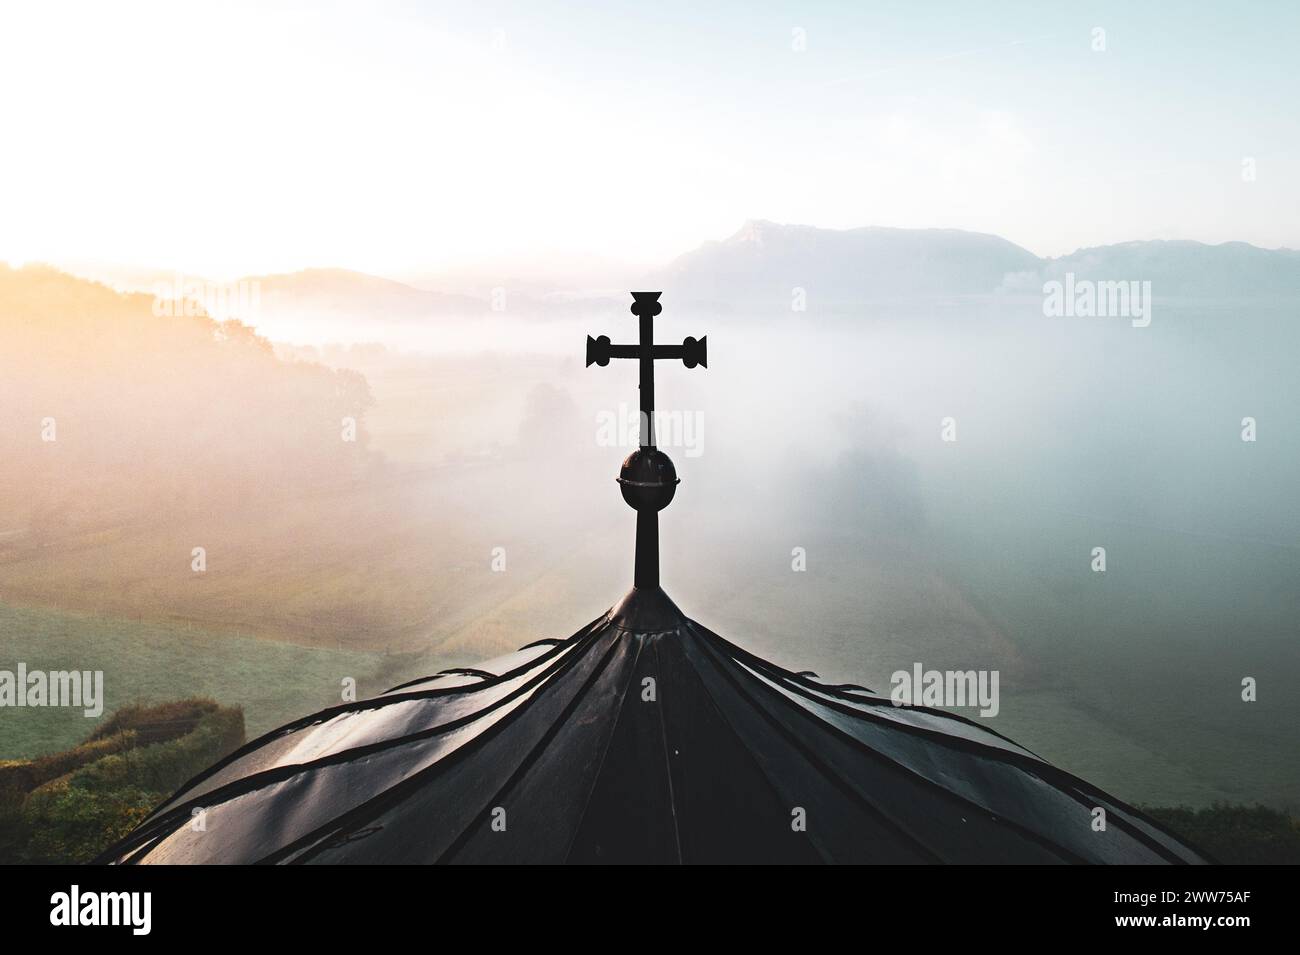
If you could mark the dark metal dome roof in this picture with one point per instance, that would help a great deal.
(644, 737)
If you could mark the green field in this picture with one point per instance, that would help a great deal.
(151, 663)
(1140, 668)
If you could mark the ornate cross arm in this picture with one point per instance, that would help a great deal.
(690, 351)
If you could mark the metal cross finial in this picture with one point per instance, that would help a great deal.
(690, 351)
(648, 479)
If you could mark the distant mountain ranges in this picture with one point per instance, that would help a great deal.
(764, 263)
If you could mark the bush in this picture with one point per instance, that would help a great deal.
(22, 776)
(1236, 835)
(70, 806)
(69, 823)
(164, 767)
(154, 724)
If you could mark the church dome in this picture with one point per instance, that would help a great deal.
(643, 737)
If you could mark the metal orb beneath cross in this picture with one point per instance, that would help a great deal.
(648, 479)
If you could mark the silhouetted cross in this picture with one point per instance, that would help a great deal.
(690, 351)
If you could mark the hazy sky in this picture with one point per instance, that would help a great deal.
(222, 138)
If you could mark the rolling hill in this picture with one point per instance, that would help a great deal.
(1188, 269)
(338, 293)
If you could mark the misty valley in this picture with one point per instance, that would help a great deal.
(376, 509)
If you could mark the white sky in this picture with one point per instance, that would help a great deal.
(223, 139)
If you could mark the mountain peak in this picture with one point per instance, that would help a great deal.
(756, 231)
(765, 262)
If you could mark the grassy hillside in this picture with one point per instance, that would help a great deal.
(112, 409)
(149, 663)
